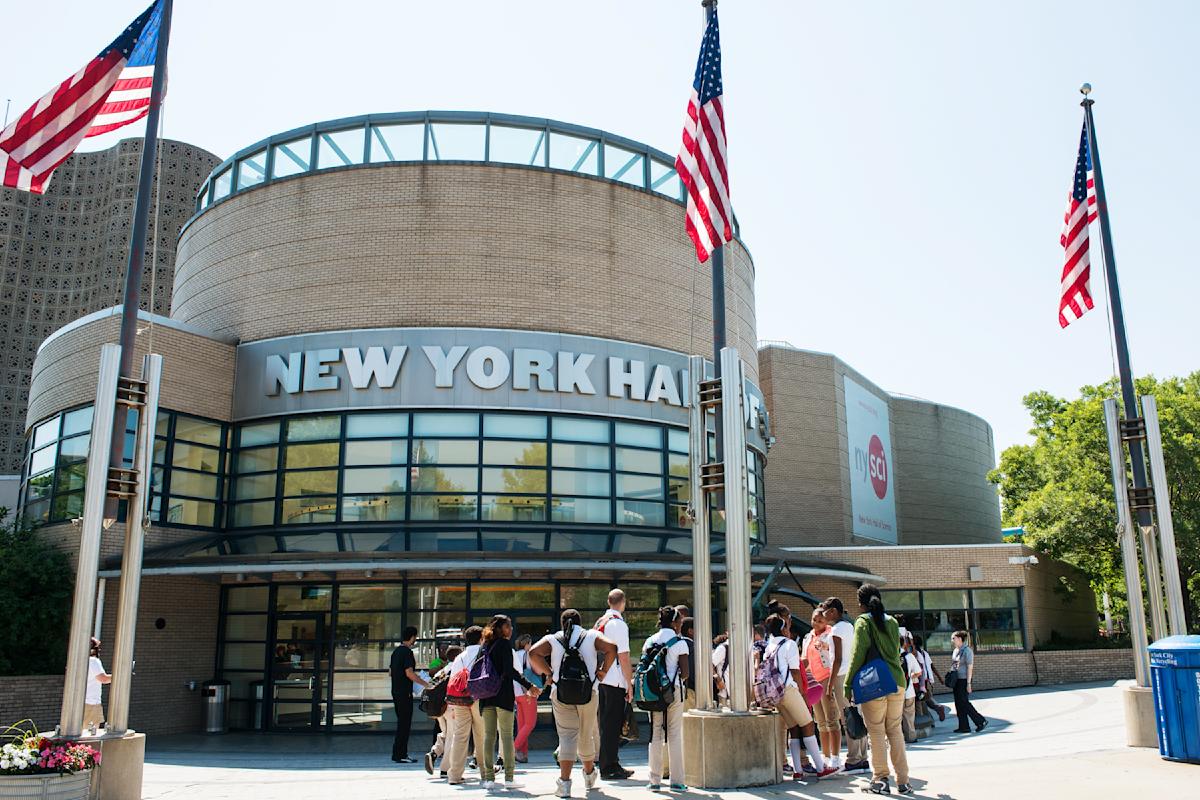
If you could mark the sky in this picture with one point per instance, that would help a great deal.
(899, 169)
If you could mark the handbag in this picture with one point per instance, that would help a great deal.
(433, 699)
(950, 678)
(874, 678)
(856, 727)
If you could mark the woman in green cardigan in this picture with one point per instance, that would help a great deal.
(882, 715)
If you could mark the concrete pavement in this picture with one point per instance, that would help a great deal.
(1055, 742)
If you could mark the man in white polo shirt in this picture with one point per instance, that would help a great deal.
(616, 689)
(843, 644)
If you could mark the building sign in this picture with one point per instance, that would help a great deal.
(466, 368)
(872, 492)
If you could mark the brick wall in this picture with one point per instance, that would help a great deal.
(1073, 666)
(36, 697)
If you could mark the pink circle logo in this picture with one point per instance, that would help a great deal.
(877, 467)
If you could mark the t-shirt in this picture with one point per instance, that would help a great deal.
(926, 667)
(818, 652)
(914, 676)
(691, 679)
(963, 657)
(676, 650)
(720, 664)
(787, 657)
(613, 627)
(844, 632)
(519, 659)
(95, 670)
(402, 661)
(582, 638)
(465, 659)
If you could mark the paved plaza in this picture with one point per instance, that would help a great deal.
(1057, 742)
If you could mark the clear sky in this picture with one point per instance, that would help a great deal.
(900, 169)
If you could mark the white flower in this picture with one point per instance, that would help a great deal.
(5, 763)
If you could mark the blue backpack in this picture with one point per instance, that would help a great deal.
(653, 688)
(874, 678)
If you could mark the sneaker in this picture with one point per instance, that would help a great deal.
(962, 730)
(405, 760)
(678, 787)
(522, 758)
(618, 774)
(488, 786)
(830, 769)
(798, 778)
(591, 778)
(562, 788)
(881, 786)
(809, 769)
(905, 788)
(429, 762)
(499, 762)
(979, 728)
(455, 783)
(471, 763)
(858, 767)
(787, 770)
(654, 787)
(511, 783)
(443, 775)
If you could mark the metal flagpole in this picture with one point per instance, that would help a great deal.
(137, 246)
(1137, 461)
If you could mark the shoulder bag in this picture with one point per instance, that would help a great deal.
(874, 678)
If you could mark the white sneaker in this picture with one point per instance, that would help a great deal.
(562, 788)
(488, 785)
(590, 778)
(511, 783)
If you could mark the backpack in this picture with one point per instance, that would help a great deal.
(433, 698)
(574, 684)
(483, 681)
(653, 688)
(769, 682)
(456, 689)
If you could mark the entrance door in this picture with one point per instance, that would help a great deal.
(300, 662)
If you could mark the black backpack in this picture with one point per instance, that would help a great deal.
(574, 684)
(433, 698)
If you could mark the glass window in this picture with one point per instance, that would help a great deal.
(445, 479)
(196, 484)
(634, 512)
(637, 543)
(305, 510)
(70, 506)
(39, 486)
(46, 432)
(665, 181)
(196, 430)
(645, 487)
(529, 454)
(370, 625)
(252, 170)
(248, 515)
(371, 597)
(574, 154)
(381, 451)
(246, 598)
(246, 627)
(444, 507)
(181, 511)
(995, 598)
(587, 456)
(260, 459)
(311, 543)
(222, 184)
(77, 421)
(639, 460)
(583, 596)
(518, 145)
(946, 598)
(321, 481)
(580, 430)
(370, 426)
(679, 466)
(511, 480)
(368, 480)
(291, 158)
(451, 597)
(597, 484)
(639, 435)
(505, 542)
(445, 451)
(371, 508)
(339, 148)
(404, 142)
(243, 656)
(445, 424)
(41, 460)
(577, 509)
(513, 508)
(450, 141)
(300, 456)
(191, 456)
(72, 471)
(293, 597)
(514, 426)
(309, 428)
(624, 165)
(677, 440)
(901, 600)
(258, 433)
(572, 542)
(254, 487)
(512, 595)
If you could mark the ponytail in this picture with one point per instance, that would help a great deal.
(870, 599)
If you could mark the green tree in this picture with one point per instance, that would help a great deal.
(36, 583)
(1059, 488)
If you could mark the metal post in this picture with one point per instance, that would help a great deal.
(70, 721)
(97, 626)
(1154, 586)
(137, 243)
(1133, 578)
(701, 554)
(1166, 525)
(737, 534)
(717, 266)
(131, 556)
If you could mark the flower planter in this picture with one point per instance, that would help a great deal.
(46, 787)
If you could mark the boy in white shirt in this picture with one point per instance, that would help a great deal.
(909, 720)
(843, 642)
(668, 724)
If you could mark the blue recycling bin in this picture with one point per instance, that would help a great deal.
(1175, 676)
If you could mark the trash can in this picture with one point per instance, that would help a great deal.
(215, 695)
(1175, 677)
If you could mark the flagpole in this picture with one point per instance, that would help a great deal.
(137, 247)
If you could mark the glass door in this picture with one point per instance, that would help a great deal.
(299, 664)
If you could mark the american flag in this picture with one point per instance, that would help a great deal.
(701, 159)
(112, 90)
(1075, 299)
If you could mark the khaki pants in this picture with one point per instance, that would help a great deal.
(793, 709)
(883, 717)
(463, 720)
(93, 715)
(827, 713)
(672, 737)
(689, 702)
(908, 723)
(856, 749)
(576, 726)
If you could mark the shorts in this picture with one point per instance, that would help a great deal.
(793, 709)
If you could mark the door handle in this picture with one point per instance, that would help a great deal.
(311, 679)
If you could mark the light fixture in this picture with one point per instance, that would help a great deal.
(369, 573)
(241, 576)
(442, 572)
(587, 573)
(516, 573)
(299, 576)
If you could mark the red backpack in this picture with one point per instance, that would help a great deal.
(456, 690)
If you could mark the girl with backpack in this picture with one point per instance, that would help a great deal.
(572, 661)
(877, 681)
(491, 683)
(658, 685)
